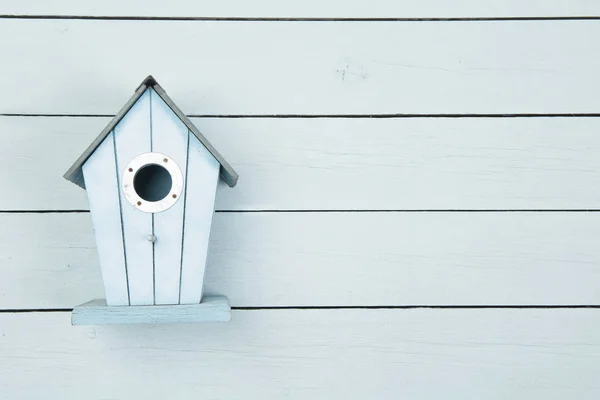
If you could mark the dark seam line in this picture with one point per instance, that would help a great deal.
(381, 307)
(331, 116)
(210, 235)
(411, 307)
(187, 163)
(44, 211)
(34, 310)
(295, 19)
(408, 211)
(121, 215)
(150, 115)
(57, 115)
(524, 210)
(400, 115)
(153, 265)
(152, 214)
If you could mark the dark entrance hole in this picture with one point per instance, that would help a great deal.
(152, 182)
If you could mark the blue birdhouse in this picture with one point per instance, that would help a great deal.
(151, 180)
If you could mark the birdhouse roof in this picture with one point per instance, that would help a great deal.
(75, 173)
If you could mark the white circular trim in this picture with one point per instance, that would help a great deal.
(142, 161)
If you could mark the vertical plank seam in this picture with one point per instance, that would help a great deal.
(152, 214)
(187, 163)
(212, 220)
(121, 214)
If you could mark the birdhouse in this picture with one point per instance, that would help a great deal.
(151, 179)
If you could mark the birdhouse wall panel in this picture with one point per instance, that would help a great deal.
(202, 180)
(132, 138)
(103, 196)
(169, 137)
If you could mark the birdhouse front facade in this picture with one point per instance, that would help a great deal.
(151, 180)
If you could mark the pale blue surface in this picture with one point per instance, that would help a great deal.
(96, 312)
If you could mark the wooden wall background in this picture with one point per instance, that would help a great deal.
(417, 213)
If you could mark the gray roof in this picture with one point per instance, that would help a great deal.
(75, 173)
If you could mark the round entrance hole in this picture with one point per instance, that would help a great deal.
(152, 182)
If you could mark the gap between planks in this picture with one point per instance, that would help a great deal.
(382, 307)
(330, 116)
(550, 210)
(294, 19)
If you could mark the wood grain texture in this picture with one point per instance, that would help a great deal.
(307, 8)
(96, 312)
(347, 164)
(333, 259)
(295, 354)
(303, 68)
(265, 259)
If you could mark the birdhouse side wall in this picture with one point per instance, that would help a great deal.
(201, 188)
(103, 195)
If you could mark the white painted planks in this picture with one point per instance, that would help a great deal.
(349, 164)
(307, 8)
(333, 259)
(303, 67)
(102, 189)
(317, 354)
(169, 137)
(132, 138)
(202, 179)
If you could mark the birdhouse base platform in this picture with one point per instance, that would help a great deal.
(96, 312)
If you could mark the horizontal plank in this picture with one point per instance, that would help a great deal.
(307, 8)
(317, 354)
(62, 66)
(342, 164)
(333, 259)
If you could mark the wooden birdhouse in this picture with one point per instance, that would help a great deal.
(151, 179)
